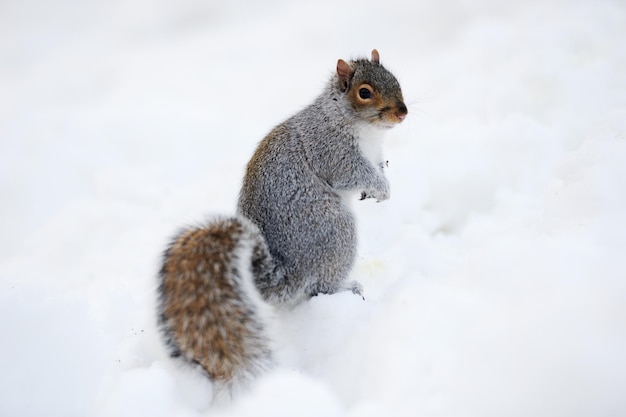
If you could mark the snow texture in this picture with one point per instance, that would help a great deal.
(495, 277)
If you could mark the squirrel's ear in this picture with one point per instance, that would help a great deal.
(345, 72)
(375, 56)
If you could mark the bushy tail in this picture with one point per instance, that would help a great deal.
(210, 311)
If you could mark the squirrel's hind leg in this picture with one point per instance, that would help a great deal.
(354, 286)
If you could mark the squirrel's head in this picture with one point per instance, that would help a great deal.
(372, 91)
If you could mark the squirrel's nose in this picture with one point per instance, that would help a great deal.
(401, 112)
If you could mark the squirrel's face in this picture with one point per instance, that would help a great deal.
(377, 106)
(372, 92)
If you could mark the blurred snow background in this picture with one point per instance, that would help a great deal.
(495, 276)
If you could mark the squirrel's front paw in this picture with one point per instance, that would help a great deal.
(383, 196)
(380, 190)
(382, 193)
(377, 195)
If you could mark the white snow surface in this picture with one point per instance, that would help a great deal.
(495, 276)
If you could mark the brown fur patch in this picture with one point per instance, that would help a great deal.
(204, 308)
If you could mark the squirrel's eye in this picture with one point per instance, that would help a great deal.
(364, 93)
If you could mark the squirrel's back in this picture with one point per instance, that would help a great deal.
(211, 313)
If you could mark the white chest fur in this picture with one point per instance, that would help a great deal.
(371, 144)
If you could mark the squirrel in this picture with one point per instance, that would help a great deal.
(294, 233)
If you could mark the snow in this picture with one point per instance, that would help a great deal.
(494, 277)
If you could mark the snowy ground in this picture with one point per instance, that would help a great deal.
(495, 276)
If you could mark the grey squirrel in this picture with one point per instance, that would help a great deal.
(294, 234)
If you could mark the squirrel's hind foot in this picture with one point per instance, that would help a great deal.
(355, 287)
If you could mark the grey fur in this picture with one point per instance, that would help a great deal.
(295, 233)
(294, 184)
